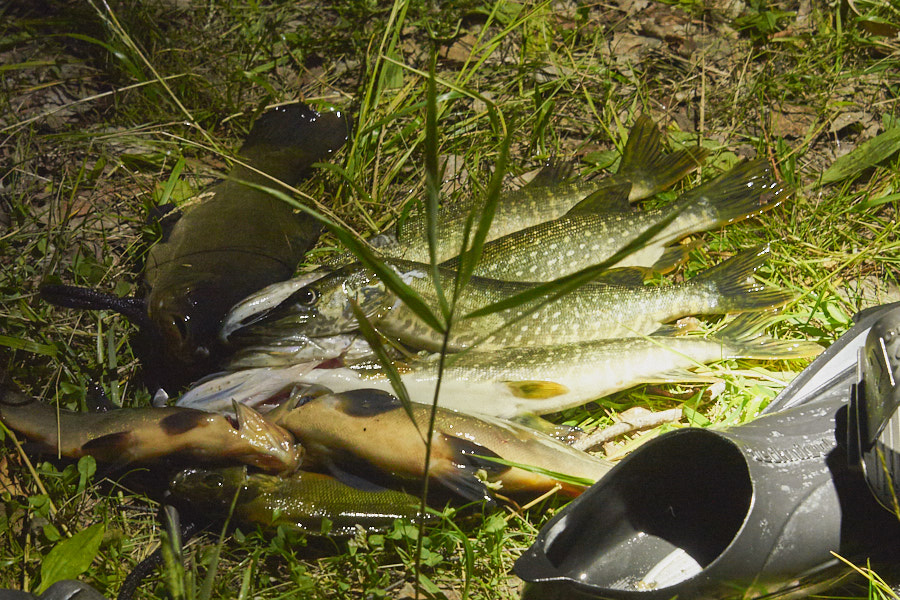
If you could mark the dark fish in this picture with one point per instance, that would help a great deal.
(222, 249)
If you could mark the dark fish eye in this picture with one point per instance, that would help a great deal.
(214, 480)
(307, 296)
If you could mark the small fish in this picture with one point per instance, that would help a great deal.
(592, 312)
(645, 170)
(303, 500)
(370, 427)
(585, 237)
(138, 435)
(529, 380)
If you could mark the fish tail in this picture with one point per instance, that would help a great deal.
(736, 287)
(648, 168)
(743, 338)
(745, 191)
(671, 257)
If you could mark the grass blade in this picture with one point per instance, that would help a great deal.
(361, 250)
(386, 362)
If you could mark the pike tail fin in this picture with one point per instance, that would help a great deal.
(735, 286)
(644, 164)
(745, 191)
(743, 338)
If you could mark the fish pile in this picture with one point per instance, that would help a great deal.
(299, 385)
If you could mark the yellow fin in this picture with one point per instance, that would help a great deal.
(536, 390)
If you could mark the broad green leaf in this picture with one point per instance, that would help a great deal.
(866, 155)
(87, 466)
(71, 557)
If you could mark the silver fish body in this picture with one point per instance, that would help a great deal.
(593, 311)
(645, 170)
(529, 380)
(583, 238)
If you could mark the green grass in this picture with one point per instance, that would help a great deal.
(98, 109)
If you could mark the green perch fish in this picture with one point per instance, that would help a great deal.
(302, 501)
(645, 170)
(370, 427)
(592, 312)
(140, 435)
(586, 236)
(520, 381)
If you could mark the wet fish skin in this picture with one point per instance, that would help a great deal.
(645, 169)
(140, 435)
(373, 427)
(236, 242)
(582, 238)
(594, 311)
(530, 380)
(302, 500)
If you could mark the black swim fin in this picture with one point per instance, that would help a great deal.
(875, 411)
(748, 512)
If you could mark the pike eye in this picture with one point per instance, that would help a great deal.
(306, 296)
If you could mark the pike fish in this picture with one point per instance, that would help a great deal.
(302, 500)
(519, 381)
(591, 312)
(585, 236)
(645, 170)
(139, 435)
(369, 428)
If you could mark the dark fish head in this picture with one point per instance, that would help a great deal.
(208, 488)
(188, 319)
(287, 139)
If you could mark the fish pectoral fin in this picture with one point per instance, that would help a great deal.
(680, 375)
(464, 483)
(471, 455)
(536, 390)
(551, 175)
(611, 196)
(567, 434)
(353, 480)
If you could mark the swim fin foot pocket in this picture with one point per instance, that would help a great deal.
(754, 511)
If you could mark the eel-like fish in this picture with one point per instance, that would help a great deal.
(519, 381)
(592, 312)
(645, 170)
